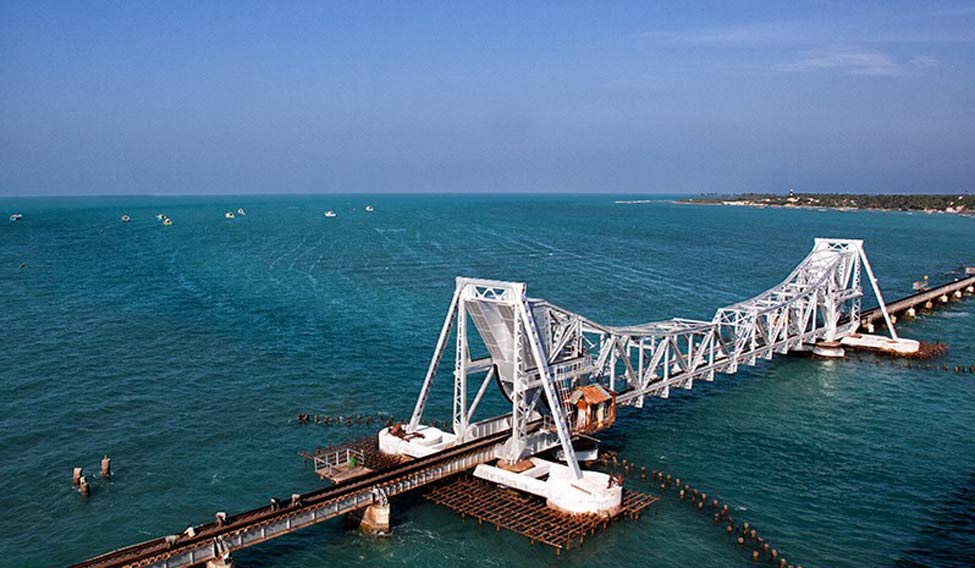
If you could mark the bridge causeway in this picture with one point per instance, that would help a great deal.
(213, 542)
(939, 294)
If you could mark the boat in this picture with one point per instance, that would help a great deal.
(125, 218)
(167, 221)
(370, 208)
(330, 213)
(160, 216)
(16, 217)
(228, 215)
(241, 212)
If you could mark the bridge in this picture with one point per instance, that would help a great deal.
(540, 353)
(564, 375)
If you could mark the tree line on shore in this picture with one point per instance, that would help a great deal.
(890, 201)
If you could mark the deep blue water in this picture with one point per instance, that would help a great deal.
(186, 352)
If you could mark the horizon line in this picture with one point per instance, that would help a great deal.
(422, 193)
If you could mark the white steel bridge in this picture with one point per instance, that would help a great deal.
(540, 353)
(544, 357)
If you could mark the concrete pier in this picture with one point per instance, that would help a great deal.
(375, 519)
(829, 349)
(227, 562)
(926, 299)
(899, 346)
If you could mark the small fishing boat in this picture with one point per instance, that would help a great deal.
(160, 216)
(330, 213)
(125, 218)
(16, 217)
(167, 221)
(240, 211)
(228, 215)
(370, 208)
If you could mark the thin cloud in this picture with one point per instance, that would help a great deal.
(848, 61)
(956, 11)
(759, 33)
(810, 33)
(924, 62)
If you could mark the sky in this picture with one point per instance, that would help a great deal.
(172, 97)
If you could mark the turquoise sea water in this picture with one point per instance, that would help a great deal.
(186, 352)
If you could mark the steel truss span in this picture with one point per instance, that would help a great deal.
(539, 352)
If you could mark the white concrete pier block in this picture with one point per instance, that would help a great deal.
(425, 441)
(225, 562)
(375, 519)
(829, 350)
(900, 345)
(592, 494)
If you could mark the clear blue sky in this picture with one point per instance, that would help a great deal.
(210, 97)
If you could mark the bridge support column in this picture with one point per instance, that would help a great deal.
(911, 312)
(829, 350)
(943, 298)
(928, 305)
(375, 519)
(225, 562)
(957, 294)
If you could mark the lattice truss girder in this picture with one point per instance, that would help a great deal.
(540, 352)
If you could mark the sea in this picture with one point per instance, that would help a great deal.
(186, 352)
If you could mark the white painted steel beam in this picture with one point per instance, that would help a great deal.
(540, 352)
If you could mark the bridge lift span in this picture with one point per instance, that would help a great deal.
(541, 355)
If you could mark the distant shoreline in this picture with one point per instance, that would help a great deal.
(963, 205)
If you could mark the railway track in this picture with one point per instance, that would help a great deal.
(213, 540)
(897, 306)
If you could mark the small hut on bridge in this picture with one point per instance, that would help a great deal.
(595, 408)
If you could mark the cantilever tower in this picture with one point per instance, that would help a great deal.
(540, 354)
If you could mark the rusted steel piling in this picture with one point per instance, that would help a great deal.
(745, 536)
(528, 515)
